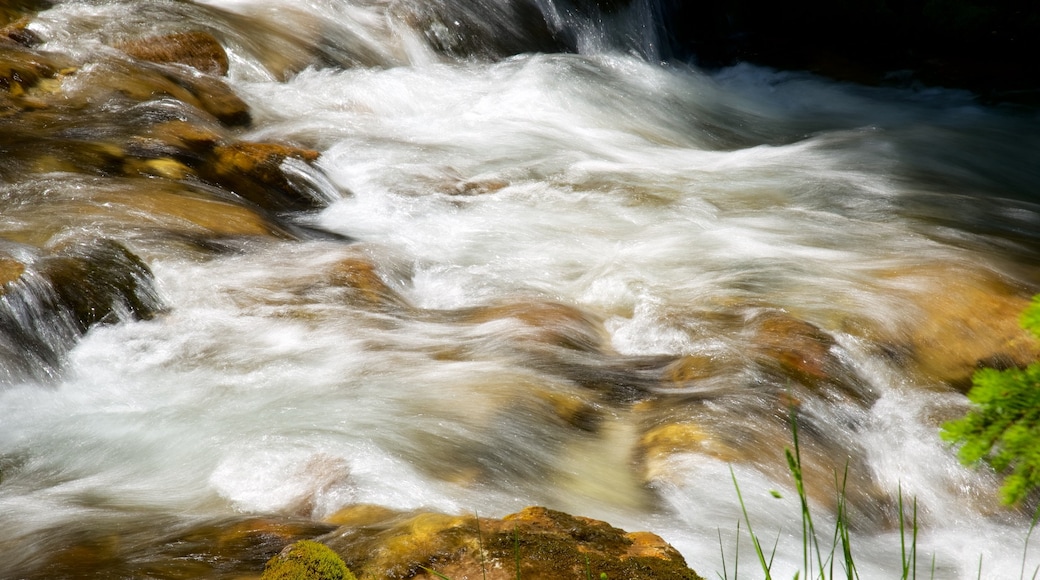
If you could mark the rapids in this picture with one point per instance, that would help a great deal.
(581, 252)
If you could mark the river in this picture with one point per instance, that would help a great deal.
(574, 275)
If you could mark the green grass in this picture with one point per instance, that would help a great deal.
(836, 562)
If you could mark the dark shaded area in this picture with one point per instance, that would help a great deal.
(989, 47)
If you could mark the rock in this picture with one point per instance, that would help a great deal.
(306, 560)
(108, 81)
(100, 282)
(22, 68)
(486, 30)
(962, 318)
(10, 270)
(804, 354)
(18, 33)
(253, 171)
(149, 210)
(536, 543)
(367, 288)
(157, 547)
(17, 10)
(549, 323)
(215, 97)
(197, 49)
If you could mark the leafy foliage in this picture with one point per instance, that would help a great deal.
(1003, 426)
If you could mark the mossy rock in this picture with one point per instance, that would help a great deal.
(549, 545)
(307, 560)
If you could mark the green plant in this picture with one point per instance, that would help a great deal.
(307, 560)
(1003, 426)
(813, 559)
(815, 562)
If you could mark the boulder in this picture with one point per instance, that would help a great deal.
(196, 49)
(306, 560)
(548, 323)
(160, 547)
(149, 210)
(22, 69)
(536, 543)
(17, 31)
(16, 10)
(961, 319)
(254, 172)
(10, 270)
(100, 281)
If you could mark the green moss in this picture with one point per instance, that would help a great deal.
(307, 560)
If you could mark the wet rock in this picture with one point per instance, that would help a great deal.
(547, 544)
(549, 323)
(306, 560)
(736, 407)
(15, 10)
(160, 548)
(755, 431)
(150, 211)
(22, 69)
(963, 319)
(216, 98)
(197, 49)
(486, 30)
(60, 296)
(101, 282)
(367, 287)
(803, 354)
(18, 33)
(253, 171)
(10, 270)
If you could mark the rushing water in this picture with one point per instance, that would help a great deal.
(557, 220)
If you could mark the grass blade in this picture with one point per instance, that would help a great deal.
(754, 539)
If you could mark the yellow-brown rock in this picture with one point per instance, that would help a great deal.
(15, 10)
(550, 323)
(146, 208)
(215, 97)
(367, 288)
(236, 548)
(197, 49)
(10, 270)
(16, 31)
(22, 68)
(253, 171)
(536, 543)
(965, 318)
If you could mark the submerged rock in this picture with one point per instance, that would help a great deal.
(253, 171)
(15, 10)
(99, 282)
(961, 319)
(163, 548)
(10, 270)
(535, 543)
(197, 49)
